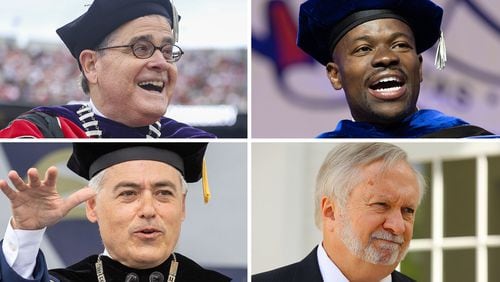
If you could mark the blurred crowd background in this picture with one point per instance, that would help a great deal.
(37, 75)
(46, 74)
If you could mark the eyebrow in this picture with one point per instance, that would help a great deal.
(149, 37)
(385, 199)
(136, 186)
(378, 198)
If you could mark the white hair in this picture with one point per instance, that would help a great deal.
(341, 169)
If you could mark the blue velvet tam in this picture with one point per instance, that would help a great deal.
(105, 16)
(88, 159)
(322, 23)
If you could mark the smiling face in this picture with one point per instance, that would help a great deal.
(133, 91)
(139, 208)
(373, 231)
(377, 66)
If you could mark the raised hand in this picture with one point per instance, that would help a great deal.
(37, 204)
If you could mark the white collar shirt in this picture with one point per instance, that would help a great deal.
(330, 271)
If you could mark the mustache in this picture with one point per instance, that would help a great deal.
(385, 69)
(385, 235)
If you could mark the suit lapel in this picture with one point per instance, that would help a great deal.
(308, 268)
(400, 277)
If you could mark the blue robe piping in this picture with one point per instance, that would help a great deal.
(419, 124)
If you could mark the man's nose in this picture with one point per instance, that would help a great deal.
(157, 61)
(395, 223)
(147, 209)
(384, 57)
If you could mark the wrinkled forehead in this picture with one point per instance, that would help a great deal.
(152, 27)
(143, 170)
(379, 178)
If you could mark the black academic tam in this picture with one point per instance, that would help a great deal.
(85, 271)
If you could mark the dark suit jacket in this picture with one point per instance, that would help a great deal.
(307, 270)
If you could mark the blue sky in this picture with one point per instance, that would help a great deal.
(204, 24)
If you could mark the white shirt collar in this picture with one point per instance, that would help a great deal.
(330, 271)
(106, 253)
(95, 110)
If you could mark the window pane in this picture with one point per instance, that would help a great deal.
(493, 195)
(493, 262)
(459, 265)
(423, 222)
(417, 265)
(459, 197)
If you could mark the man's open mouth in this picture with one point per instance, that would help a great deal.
(388, 87)
(398, 241)
(152, 85)
(148, 233)
(387, 84)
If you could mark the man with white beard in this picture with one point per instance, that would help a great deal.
(366, 198)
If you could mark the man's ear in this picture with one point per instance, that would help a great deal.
(421, 60)
(333, 73)
(88, 59)
(90, 210)
(327, 213)
(184, 207)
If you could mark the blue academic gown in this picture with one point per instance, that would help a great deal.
(169, 127)
(40, 273)
(421, 123)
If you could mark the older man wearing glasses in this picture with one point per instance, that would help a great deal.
(125, 50)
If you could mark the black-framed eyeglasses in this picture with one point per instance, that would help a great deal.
(144, 49)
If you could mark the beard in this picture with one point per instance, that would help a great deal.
(376, 251)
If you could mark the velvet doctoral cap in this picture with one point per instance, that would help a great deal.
(105, 16)
(88, 159)
(322, 23)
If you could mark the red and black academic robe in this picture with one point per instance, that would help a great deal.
(65, 122)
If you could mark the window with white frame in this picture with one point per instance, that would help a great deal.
(457, 229)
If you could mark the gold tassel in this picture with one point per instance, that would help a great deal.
(440, 60)
(204, 182)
